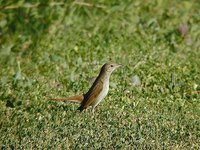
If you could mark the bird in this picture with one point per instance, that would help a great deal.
(97, 91)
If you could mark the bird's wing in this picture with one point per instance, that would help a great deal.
(91, 95)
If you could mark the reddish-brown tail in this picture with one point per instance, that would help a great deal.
(77, 99)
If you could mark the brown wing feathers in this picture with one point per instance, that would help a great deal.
(91, 95)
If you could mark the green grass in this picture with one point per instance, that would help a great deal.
(51, 49)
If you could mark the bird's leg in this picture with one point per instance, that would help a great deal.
(93, 109)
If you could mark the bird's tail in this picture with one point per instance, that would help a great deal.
(77, 99)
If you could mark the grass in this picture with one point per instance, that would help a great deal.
(52, 49)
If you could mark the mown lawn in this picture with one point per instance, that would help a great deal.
(50, 49)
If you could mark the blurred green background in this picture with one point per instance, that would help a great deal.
(51, 49)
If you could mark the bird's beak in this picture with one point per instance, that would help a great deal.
(119, 65)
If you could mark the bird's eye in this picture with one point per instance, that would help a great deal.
(111, 65)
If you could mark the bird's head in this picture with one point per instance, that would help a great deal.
(110, 67)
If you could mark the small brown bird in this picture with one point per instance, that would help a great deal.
(98, 90)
